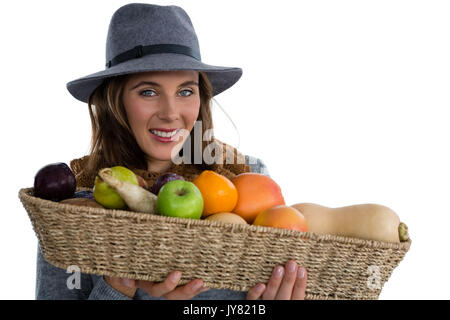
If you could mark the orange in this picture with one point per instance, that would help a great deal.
(282, 216)
(256, 192)
(219, 193)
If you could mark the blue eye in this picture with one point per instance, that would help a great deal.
(190, 93)
(141, 93)
(183, 93)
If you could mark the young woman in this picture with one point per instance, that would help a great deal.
(144, 108)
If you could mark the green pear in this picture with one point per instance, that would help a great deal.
(107, 196)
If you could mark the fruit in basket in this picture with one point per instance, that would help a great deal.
(135, 197)
(55, 182)
(141, 182)
(106, 195)
(163, 179)
(256, 192)
(227, 217)
(84, 194)
(82, 202)
(219, 193)
(364, 221)
(282, 216)
(180, 198)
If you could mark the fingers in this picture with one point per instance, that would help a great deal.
(287, 284)
(274, 283)
(256, 292)
(113, 281)
(169, 290)
(298, 293)
(159, 289)
(120, 282)
(129, 283)
(187, 291)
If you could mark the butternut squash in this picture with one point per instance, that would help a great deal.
(364, 221)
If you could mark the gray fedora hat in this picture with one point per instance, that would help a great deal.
(147, 37)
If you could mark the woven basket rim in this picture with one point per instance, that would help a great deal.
(25, 196)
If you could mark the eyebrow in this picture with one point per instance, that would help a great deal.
(151, 83)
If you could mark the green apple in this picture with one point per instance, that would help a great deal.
(105, 195)
(180, 198)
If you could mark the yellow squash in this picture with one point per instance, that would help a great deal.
(364, 221)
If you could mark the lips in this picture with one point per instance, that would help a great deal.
(164, 133)
(165, 136)
(164, 129)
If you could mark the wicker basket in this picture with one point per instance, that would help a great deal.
(226, 256)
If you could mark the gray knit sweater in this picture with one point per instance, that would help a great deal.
(57, 284)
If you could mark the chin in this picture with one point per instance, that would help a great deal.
(160, 156)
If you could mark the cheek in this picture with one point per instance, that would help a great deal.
(137, 114)
(191, 113)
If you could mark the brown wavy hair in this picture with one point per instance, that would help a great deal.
(113, 142)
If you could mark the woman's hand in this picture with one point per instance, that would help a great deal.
(285, 284)
(167, 289)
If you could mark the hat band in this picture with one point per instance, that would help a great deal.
(140, 51)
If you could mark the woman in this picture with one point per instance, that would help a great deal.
(143, 92)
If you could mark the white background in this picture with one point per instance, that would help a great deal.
(345, 101)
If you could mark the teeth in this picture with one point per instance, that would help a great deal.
(164, 134)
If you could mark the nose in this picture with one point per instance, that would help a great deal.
(168, 110)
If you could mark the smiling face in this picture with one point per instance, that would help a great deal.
(162, 108)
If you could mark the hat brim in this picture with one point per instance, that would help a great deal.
(220, 77)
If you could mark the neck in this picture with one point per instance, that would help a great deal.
(158, 166)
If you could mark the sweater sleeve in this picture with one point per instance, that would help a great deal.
(53, 283)
(257, 165)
